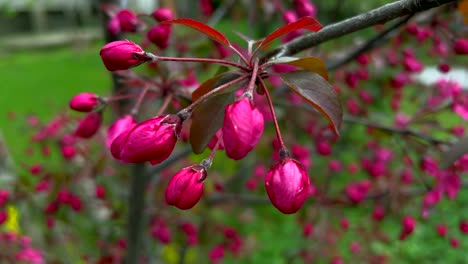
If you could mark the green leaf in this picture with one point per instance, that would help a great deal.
(207, 118)
(317, 92)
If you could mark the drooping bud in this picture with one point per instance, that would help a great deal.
(152, 140)
(206, 7)
(242, 128)
(408, 224)
(287, 185)
(128, 20)
(159, 35)
(186, 187)
(461, 46)
(163, 14)
(84, 102)
(122, 55)
(89, 125)
(120, 125)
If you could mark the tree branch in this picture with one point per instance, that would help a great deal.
(370, 44)
(374, 17)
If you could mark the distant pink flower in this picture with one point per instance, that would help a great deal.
(84, 102)
(460, 46)
(408, 225)
(162, 14)
(128, 20)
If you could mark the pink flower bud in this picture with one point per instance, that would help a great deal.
(441, 230)
(84, 102)
(443, 67)
(455, 243)
(461, 46)
(464, 226)
(216, 253)
(89, 125)
(120, 125)
(307, 230)
(100, 192)
(287, 185)
(36, 169)
(3, 216)
(68, 152)
(152, 140)
(4, 195)
(289, 16)
(113, 27)
(122, 55)
(206, 7)
(357, 191)
(344, 223)
(412, 65)
(161, 232)
(378, 214)
(128, 20)
(242, 128)
(186, 187)
(163, 14)
(305, 8)
(159, 35)
(408, 224)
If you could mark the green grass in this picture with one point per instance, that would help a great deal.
(41, 83)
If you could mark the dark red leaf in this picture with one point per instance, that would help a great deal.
(309, 23)
(317, 92)
(207, 118)
(204, 28)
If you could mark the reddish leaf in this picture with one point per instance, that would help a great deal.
(203, 28)
(318, 92)
(309, 23)
(207, 118)
(456, 151)
(312, 64)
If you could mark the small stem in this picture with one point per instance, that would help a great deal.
(251, 86)
(239, 54)
(190, 108)
(272, 109)
(120, 97)
(166, 102)
(222, 62)
(135, 108)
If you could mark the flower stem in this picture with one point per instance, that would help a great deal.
(251, 86)
(222, 62)
(191, 107)
(166, 102)
(136, 107)
(272, 109)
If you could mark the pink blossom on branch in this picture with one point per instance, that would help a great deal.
(288, 185)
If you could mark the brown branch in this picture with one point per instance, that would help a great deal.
(374, 17)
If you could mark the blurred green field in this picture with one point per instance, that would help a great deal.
(41, 83)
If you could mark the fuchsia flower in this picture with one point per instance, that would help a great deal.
(186, 187)
(461, 46)
(305, 8)
(159, 35)
(162, 14)
(357, 191)
(120, 125)
(152, 140)
(113, 26)
(128, 20)
(206, 7)
(122, 55)
(84, 102)
(441, 230)
(89, 125)
(408, 225)
(242, 128)
(288, 185)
